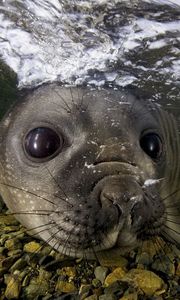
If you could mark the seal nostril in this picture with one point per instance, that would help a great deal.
(120, 211)
(137, 212)
(108, 200)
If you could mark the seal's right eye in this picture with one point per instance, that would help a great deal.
(42, 143)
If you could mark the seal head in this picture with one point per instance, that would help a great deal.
(89, 170)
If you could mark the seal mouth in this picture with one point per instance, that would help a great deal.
(109, 168)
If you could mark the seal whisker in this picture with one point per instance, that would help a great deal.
(43, 230)
(38, 196)
(75, 104)
(171, 194)
(160, 242)
(30, 229)
(170, 214)
(38, 227)
(82, 101)
(168, 237)
(174, 205)
(78, 95)
(160, 247)
(171, 221)
(26, 191)
(57, 183)
(165, 225)
(156, 243)
(64, 249)
(94, 253)
(44, 243)
(72, 98)
(87, 266)
(52, 237)
(36, 212)
(68, 110)
(62, 107)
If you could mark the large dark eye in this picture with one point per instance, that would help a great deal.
(151, 143)
(42, 143)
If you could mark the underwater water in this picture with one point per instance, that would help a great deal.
(120, 43)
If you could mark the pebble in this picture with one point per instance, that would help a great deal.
(8, 262)
(178, 270)
(130, 296)
(117, 274)
(67, 271)
(147, 281)
(116, 288)
(96, 283)
(32, 247)
(92, 297)
(112, 258)
(107, 297)
(101, 273)
(38, 286)
(13, 244)
(85, 291)
(8, 220)
(18, 265)
(31, 280)
(164, 264)
(65, 287)
(13, 287)
(144, 259)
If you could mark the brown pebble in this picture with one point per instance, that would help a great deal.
(65, 287)
(13, 287)
(117, 274)
(147, 281)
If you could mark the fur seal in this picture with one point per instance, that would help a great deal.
(90, 170)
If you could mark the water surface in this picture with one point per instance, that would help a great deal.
(119, 43)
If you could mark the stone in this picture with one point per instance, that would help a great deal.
(67, 271)
(112, 258)
(13, 287)
(13, 244)
(92, 297)
(107, 297)
(32, 247)
(145, 280)
(116, 275)
(65, 287)
(101, 273)
(130, 296)
(18, 265)
(85, 291)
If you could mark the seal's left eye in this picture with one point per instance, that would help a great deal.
(152, 145)
(42, 143)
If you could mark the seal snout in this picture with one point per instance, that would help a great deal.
(119, 193)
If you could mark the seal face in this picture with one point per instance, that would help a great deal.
(89, 170)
